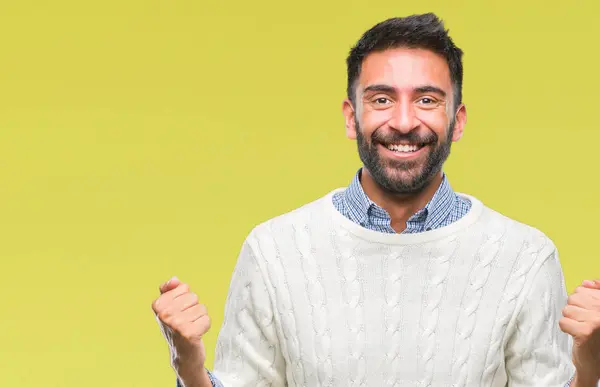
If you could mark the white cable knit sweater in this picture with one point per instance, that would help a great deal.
(317, 300)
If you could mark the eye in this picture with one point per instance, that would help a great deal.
(428, 102)
(381, 101)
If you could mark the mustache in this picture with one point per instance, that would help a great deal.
(410, 137)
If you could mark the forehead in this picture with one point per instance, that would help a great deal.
(405, 68)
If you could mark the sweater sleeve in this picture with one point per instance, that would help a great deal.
(248, 351)
(538, 353)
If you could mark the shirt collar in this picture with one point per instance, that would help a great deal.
(361, 208)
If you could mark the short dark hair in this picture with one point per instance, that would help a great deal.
(424, 31)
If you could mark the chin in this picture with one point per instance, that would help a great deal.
(401, 184)
(406, 181)
(404, 171)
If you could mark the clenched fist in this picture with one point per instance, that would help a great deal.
(183, 321)
(582, 321)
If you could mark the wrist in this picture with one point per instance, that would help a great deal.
(585, 379)
(190, 370)
(197, 377)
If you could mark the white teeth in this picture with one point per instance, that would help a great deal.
(403, 148)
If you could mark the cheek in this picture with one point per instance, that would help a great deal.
(373, 120)
(436, 122)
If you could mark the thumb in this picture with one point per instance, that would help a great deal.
(595, 284)
(170, 285)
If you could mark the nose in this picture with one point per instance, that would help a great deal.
(404, 118)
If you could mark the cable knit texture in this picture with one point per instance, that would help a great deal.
(317, 300)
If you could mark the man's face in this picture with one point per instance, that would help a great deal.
(404, 120)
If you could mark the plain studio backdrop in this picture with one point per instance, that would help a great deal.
(145, 139)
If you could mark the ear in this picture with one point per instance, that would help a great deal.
(350, 119)
(460, 122)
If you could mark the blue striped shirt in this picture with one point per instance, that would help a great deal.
(445, 208)
(213, 379)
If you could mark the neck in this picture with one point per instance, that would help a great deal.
(400, 207)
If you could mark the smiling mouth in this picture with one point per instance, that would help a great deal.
(405, 148)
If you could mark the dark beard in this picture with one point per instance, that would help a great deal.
(413, 176)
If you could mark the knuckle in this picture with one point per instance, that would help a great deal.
(155, 306)
(582, 289)
(202, 325)
(175, 322)
(191, 299)
(164, 315)
(562, 322)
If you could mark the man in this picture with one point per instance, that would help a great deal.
(396, 280)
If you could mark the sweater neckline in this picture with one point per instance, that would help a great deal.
(404, 239)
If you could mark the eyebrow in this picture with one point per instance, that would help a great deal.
(381, 88)
(430, 89)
